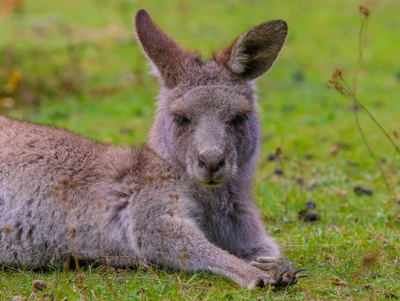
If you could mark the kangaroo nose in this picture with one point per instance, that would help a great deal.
(212, 160)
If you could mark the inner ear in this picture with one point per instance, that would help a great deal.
(254, 52)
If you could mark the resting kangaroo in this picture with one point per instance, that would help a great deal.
(184, 201)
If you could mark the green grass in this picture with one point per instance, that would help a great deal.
(81, 69)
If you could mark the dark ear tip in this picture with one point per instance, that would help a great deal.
(284, 24)
(141, 15)
(281, 24)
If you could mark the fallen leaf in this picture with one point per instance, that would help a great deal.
(337, 281)
(370, 258)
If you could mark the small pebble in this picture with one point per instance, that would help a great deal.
(271, 157)
(39, 284)
(358, 190)
(308, 216)
(311, 217)
(368, 191)
(278, 171)
(310, 204)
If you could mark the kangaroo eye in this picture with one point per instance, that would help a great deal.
(239, 120)
(181, 120)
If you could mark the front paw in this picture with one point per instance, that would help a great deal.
(280, 268)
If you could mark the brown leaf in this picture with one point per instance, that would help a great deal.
(370, 258)
(339, 282)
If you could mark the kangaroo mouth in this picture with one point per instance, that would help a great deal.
(213, 183)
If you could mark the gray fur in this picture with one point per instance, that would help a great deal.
(183, 201)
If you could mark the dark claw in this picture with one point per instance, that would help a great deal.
(298, 271)
(283, 273)
(302, 276)
(280, 276)
(260, 282)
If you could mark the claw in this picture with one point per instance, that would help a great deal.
(298, 271)
(283, 272)
(260, 282)
(280, 276)
(302, 276)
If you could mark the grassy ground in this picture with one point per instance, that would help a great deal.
(75, 64)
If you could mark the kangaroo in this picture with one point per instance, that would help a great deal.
(183, 201)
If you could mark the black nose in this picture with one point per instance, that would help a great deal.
(211, 160)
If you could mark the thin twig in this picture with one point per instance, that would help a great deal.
(300, 165)
(278, 153)
(339, 83)
(372, 154)
(361, 39)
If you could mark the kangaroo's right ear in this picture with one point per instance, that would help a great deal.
(255, 50)
(163, 52)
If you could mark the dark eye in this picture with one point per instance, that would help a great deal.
(239, 120)
(181, 120)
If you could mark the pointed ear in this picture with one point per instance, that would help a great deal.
(255, 50)
(163, 52)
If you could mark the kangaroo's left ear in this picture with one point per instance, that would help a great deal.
(255, 50)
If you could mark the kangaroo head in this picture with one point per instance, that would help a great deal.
(206, 118)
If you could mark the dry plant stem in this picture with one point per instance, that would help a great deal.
(338, 83)
(362, 34)
(300, 164)
(388, 187)
(279, 154)
(347, 92)
(361, 39)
